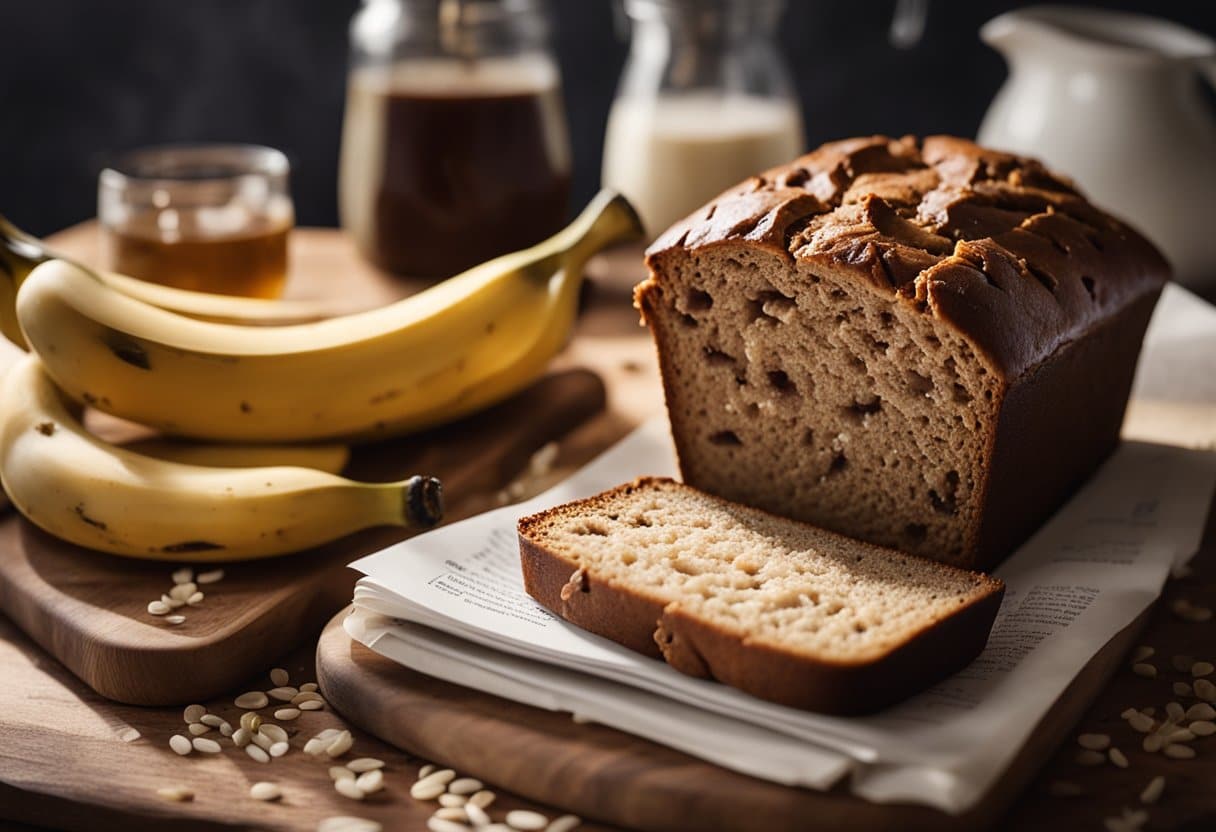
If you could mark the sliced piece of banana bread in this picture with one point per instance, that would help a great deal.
(926, 345)
(777, 608)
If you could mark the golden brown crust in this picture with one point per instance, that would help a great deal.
(995, 245)
(655, 627)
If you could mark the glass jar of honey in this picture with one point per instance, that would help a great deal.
(454, 143)
(210, 218)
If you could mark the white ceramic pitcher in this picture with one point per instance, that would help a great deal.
(1115, 101)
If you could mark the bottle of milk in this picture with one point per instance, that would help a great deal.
(705, 100)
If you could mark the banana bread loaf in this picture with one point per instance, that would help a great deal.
(774, 607)
(926, 345)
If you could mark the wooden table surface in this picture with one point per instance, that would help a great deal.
(119, 753)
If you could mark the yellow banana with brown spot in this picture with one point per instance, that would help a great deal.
(105, 497)
(20, 253)
(457, 347)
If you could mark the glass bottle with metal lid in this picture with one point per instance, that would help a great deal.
(704, 101)
(454, 145)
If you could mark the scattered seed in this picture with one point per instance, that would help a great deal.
(182, 592)
(278, 749)
(315, 746)
(1153, 743)
(1203, 728)
(1202, 669)
(1141, 723)
(214, 576)
(206, 746)
(1201, 710)
(1152, 792)
(214, 720)
(435, 824)
(175, 794)
(286, 714)
(276, 733)
(252, 701)
(1128, 713)
(526, 820)
(258, 753)
(564, 824)
(226, 729)
(465, 785)
(348, 788)
(1191, 612)
(1205, 690)
(340, 773)
(262, 741)
(1117, 757)
(308, 687)
(451, 813)
(432, 785)
(265, 791)
(370, 781)
(1179, 752)
(180, 744)
(427, 770)
(1182, 689)
(1166, 728)
(362, 764)
(1058, 788)
(195, 599)
(183, 576)
(476, 815)
(1089, 757)
(197, 729)
(158, 608)
(426, 789)
(340, 745)
(452, 800)
(344, 823)
(241, 737)
(1144, 669)
(175, 619)
(283, 694)
(1129, 822)
(279, 677)
(172, 603)
(1179, 735)
(311, 705)
(483, 799)
(251, 721)
(1094, 742)
(193, 713)
(1175, 711)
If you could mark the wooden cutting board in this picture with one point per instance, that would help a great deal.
(598, 772)
(70, 759)
(89, 610)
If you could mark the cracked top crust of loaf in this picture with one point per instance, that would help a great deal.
(1002, 249)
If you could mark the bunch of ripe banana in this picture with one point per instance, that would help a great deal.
(194, 365)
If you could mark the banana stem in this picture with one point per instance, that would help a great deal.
(608, 218)
(423, 502)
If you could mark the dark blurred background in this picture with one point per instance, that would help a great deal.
(82, 79)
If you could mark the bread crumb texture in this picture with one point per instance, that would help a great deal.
(777, 582)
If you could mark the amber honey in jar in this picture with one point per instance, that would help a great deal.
(454, 145)
(206, 218)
